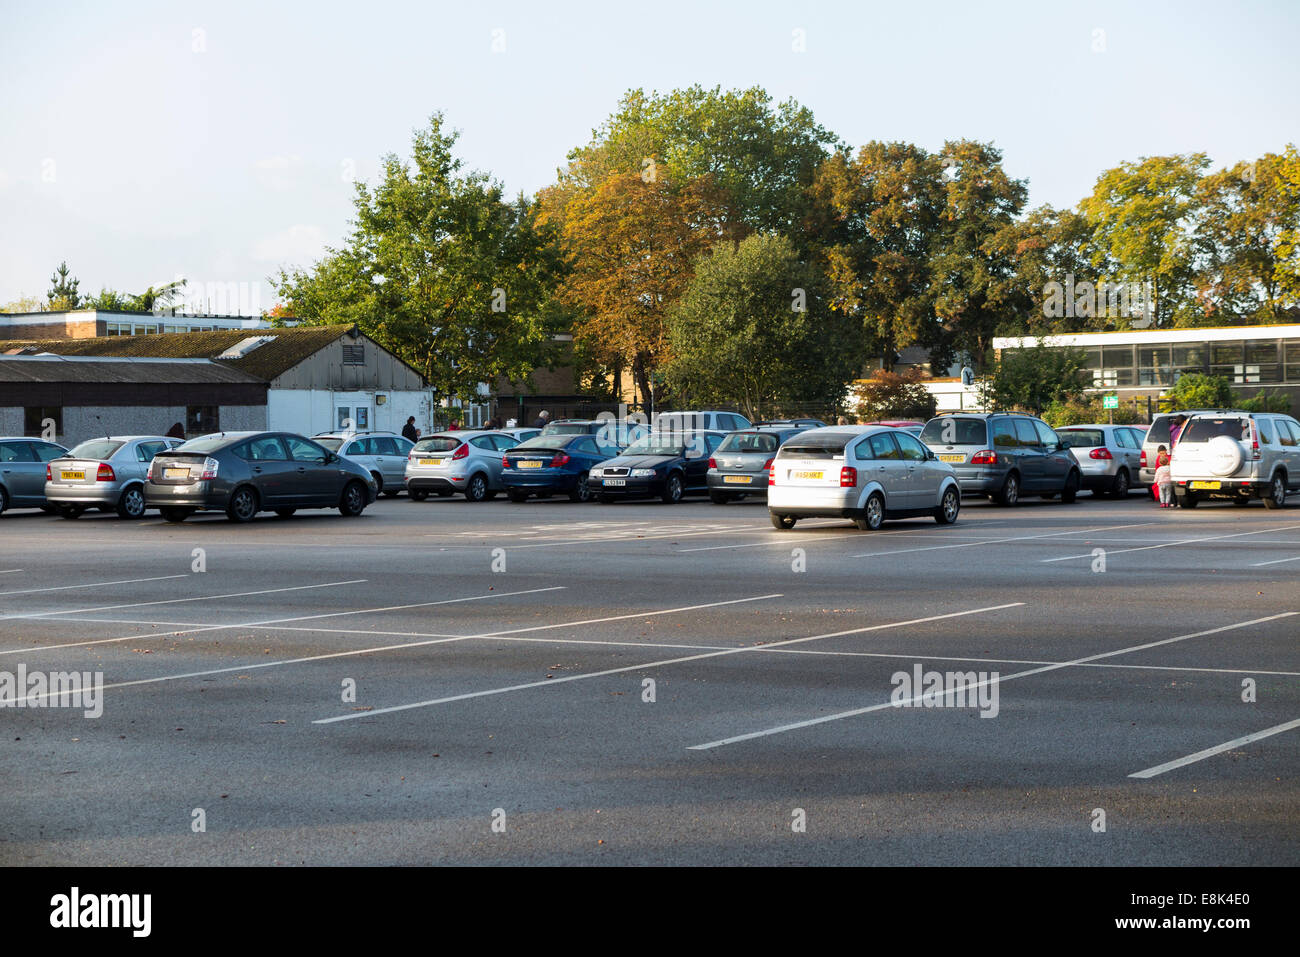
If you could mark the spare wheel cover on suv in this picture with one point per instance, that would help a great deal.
(1224, 455)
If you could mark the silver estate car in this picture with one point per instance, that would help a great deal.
(1109, 456)
(463, 461)
(108, 474)
(382, 454)
(866, 473)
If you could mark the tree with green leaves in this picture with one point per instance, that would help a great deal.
(884, 207)
(63, 290)
(973, 273)
(886, 395)
(1199, 391)
(440, 268)
(1143, 216)
(1032, 379)
(753, 328)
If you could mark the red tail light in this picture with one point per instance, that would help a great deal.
(505, 462)
(105, 473)
(1099, 454)
(1142, 459)
(771, 477)
(561, 458)
(49, 476)
(768, 464)
(461, 451)
(1254, 446)
(984, 457)
(713, 463)
(848, 477)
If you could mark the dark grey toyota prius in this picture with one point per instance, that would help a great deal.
(243, 473)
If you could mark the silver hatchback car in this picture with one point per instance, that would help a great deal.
(461, 461)
(1109, 456)
(108, 474)
(383, 454)
(866, 473)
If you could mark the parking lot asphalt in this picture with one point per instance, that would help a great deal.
(558, 683)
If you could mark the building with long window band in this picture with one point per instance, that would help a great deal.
(1139, 363)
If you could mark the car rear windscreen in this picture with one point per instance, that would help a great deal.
(95, 449)
(547, 443)
(827, 445)
(204, 443)
(573, 428)
(1202, 430)
(1158, 434)
(1082, 438)
(964, 431)
(749, 442)
(436, 444)
(331, 444)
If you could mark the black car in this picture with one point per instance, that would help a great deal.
(666, 465)
(243, 473)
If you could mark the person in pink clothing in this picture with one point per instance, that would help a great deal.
(1164, 479)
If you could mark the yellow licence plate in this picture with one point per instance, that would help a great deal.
(529, 465)
(1207, 485)
(73, 476)
(807, 475)
(737, 479)
(430, 461)
(951, 458)
(176, 473)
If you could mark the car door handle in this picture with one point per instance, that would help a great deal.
(257, 469)
(302, 470)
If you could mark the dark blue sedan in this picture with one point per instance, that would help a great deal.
(553, 465)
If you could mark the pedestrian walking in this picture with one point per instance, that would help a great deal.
(542, 418)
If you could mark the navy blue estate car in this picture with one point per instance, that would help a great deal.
(666, 465)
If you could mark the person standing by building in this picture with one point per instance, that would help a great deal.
(409, 431)
(542, 418)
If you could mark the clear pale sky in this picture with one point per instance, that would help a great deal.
(142, 141)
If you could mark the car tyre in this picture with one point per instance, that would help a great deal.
(1121, 487)
(243, 505)
(719, 498)
(1071, 490)
(1010, 493)
(175, 515)
(131, 504)
(949, 507)
(477, 489)
(873, 516)
(582, 492)
(1189, 501)
(353, 501)
(672, 489)
(1276, 497)
(72, 511)
(418, 494)
(782, 522)
(516, 495)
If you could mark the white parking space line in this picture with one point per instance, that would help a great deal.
(999, 541)
(1276, 561)
(655, 664)
(10, 571)
(788, 539)
(410, 644)
(267, 621)
(1185, 541)
(1217, 749)
(122, 581)
(173, 601)
(838, 716)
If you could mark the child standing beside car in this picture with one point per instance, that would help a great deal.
(1164, 479)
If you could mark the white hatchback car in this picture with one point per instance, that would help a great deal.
(867, 473)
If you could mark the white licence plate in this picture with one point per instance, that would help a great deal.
(737, 479)
(176, 473)
(615, 481)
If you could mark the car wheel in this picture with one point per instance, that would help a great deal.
(174, 515)
(948, 508)
(4, 500)
(1071, 490)
(1276, 497)
(1121, 487)
(131, 504)
(243, 505)
(1010, 493)
(583, 492)
(353, 502)
(873, 516)
(1189, 501)
(782, 522)
(417, 495)
(672, 489)
(47, 509)
(515, 495)
(72, 511)
(719, 498)
(477, 489)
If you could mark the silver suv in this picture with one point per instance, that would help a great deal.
(1237, 456)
